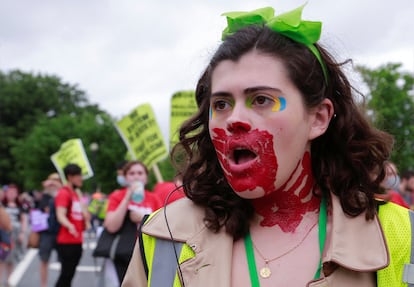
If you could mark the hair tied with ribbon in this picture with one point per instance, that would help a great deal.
(289, 24)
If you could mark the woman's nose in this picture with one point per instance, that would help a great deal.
(238, 120)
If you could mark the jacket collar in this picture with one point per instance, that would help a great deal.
(352, 242)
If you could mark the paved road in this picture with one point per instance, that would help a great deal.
(27, 272)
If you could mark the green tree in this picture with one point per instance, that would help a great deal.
(391, 106)
(32, 153)
(40, 112)
(24, 100)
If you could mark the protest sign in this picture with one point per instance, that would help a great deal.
(183, 106)
(142, 136)
(72, 151)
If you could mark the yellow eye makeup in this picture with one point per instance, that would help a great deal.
(276, 103)
(280, 105)
(212, 113)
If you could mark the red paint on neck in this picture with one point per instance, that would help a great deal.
(285, 208)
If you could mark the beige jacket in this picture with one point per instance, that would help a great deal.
(354, 249)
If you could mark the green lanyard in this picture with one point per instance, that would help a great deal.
(251, 262)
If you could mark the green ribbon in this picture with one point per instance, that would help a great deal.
(289, 24)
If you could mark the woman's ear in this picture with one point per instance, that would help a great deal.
(320, 118)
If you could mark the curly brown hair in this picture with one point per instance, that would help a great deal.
(347, 159)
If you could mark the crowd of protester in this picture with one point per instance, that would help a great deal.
(52, 214)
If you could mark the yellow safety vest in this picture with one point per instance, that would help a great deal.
(397, 222)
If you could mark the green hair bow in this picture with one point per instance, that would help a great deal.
(289, 24)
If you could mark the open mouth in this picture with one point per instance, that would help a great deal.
(242, 155)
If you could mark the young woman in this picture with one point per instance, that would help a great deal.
(122, 205)
(280, 168)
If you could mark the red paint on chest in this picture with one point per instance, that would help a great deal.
(285, 208)
(261, 173)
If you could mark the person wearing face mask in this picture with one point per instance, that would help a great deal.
(280, 170)
(120, 178)
(129, 204)
(391, 184)
(407, 187)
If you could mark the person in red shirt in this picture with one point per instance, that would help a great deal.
(121, 205)
(169, 191)
(72, 224)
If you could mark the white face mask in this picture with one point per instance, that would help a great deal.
(392, 182)
(121, 180)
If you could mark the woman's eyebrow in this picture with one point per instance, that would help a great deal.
(221, 94)
(260, 88)
(246, 91)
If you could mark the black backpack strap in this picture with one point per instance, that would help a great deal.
(141, 244)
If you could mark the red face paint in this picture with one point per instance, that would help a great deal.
(284, 207)
(239, 126)
(253, 171)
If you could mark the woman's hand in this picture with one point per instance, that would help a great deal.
(72, 230)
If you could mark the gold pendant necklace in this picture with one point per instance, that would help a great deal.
(265, 271)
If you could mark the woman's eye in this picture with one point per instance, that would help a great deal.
(262, 101)
(220, 105)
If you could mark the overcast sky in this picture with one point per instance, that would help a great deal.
(128, 52)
